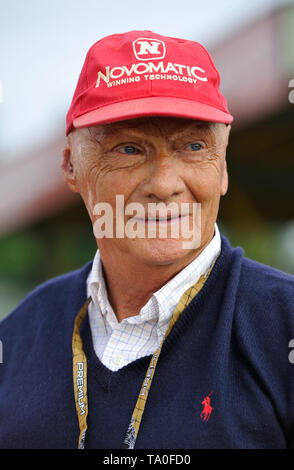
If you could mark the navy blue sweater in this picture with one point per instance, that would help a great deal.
(232, 340)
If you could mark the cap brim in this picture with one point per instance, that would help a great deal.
(152, 106)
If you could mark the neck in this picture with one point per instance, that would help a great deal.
(131, 283)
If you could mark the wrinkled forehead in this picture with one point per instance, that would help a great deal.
(152, 125)
(146, 127)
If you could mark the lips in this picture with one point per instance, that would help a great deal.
(170, 218)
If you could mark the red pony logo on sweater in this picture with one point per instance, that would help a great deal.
(207, 409)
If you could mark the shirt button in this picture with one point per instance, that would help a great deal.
(118, 359)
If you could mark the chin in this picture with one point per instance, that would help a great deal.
(162, 251)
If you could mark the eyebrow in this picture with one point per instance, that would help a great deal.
(124, 130)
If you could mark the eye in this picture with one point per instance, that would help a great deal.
(195, 146)
(128, 149)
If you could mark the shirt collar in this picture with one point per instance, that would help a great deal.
(170, 294)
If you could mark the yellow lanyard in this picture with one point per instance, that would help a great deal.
(80, 369)
(80, 374)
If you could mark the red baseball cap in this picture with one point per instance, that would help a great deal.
(141, 73)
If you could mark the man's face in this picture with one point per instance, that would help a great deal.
(150, 160)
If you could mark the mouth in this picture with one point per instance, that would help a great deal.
(159, 220)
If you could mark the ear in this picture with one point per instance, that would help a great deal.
(225, 176)
(228, 131)
(68, 168)
(225, 180)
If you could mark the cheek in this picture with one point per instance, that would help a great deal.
(113, 184)
(205, 185)
(100, 186)
(87, 179)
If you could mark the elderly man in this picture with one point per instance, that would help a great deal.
(170, 338)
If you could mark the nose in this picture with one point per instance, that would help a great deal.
(163, 181)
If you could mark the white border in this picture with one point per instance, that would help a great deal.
(149, 58)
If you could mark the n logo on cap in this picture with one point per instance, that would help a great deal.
(147, 48)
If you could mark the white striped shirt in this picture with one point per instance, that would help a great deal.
(117, 344)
